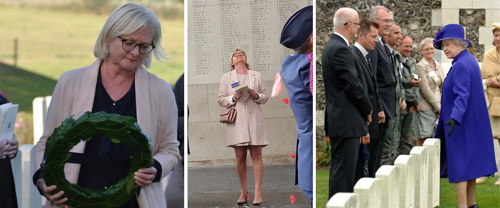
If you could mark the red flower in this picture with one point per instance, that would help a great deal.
(292, 155)
(285, 100)
(327, 139)
(292, 198)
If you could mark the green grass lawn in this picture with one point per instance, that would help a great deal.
(51, 42)
(487, 194)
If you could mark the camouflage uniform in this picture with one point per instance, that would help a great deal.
(393, 127)
(410, 95)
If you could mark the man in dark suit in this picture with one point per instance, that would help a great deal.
(348, 109)
(384, 72)
(367, 39)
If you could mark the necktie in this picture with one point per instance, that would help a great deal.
(369, 62)
(386, 49)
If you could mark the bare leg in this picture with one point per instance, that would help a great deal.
(461, 188)
(241, 169)
(258, 171)
(471, 193)
(481, 179)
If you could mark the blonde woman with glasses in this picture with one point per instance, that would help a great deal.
(117, 82)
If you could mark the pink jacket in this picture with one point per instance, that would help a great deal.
(156, 115)
(249, 127)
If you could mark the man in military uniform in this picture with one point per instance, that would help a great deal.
(409, 88)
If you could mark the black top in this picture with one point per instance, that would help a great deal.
(103, 162)
(7, 188)
(99, 176)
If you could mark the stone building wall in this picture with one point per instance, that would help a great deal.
(420, 19)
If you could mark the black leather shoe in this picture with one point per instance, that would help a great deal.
(474, 206)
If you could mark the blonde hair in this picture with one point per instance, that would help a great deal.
(127, 19)
(424, 42)
(232, 66)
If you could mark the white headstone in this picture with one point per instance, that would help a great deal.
(389, 177)
(369, 192)
(343, 200)
(434, 170)
(406, 167)
(23, 170)
(421, 175)
(40, 107)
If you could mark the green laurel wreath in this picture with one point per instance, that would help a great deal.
(116, 127)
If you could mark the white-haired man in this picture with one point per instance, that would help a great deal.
(348, 109)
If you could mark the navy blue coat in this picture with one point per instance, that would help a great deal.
(468, 154)
(295, 74)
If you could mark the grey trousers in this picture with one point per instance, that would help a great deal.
(404, 144)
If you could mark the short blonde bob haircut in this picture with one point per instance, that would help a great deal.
(424, 42)
(127, 19)
(232, 66)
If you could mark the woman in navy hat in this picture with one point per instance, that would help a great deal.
(464, 124)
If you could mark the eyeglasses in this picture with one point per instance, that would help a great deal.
(356, 23)
(239, 54)
(129, 45)
(385, 20)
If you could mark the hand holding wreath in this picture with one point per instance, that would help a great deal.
(120, 129)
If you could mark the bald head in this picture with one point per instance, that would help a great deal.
(346, 22)
(344, 15)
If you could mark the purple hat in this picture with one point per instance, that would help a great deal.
(450, 31)
(298, 28)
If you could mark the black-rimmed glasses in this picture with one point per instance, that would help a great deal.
(129, 45)
(356, 23)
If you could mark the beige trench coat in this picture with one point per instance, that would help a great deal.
(490, 68)
(156, 115)
(249, 127)
(430, 90)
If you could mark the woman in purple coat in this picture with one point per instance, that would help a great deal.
(464, 124)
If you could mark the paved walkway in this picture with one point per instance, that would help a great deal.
(219, 187)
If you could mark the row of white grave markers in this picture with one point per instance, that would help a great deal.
(413, 181)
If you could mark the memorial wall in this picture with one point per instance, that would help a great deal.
(215, 29)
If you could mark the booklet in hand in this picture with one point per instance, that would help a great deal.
(243, 89)
(8, 113)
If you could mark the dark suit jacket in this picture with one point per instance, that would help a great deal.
(370, 86)
(386, 82)
(347, 104)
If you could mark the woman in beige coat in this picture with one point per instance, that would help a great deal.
(248, 131)
(490, 71)
(431, 73)
(117, 82)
